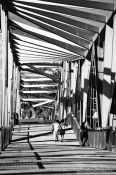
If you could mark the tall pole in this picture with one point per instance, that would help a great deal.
(4, 28)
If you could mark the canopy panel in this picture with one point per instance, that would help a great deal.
(45, 33)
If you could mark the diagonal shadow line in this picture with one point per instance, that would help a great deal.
(37, 135)
(39, 164)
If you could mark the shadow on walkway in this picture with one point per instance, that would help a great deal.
(39, 154)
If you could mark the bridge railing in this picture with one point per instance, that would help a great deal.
(71, 120)
(101, 138)
(6, 135)
(114, 139)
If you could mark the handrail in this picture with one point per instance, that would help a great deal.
(71, 120)
(102, 138)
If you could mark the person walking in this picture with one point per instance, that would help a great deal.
(62, 130)
(84, 133)
(56, 128)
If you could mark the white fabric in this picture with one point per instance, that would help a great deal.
(56, 127)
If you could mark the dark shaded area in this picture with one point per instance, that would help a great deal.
(40, 165)
(113, 106)
(36, 135)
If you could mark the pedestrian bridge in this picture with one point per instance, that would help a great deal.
(33, 151)
(57, 58)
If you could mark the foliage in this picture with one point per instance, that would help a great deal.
(23, 114)
(29, 113)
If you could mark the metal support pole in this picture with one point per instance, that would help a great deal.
(4, 66)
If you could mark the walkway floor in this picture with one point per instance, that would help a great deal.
(41, 155)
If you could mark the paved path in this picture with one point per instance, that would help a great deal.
(41, 155)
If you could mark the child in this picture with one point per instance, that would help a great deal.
(56, 128)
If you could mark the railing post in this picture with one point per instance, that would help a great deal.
(97, 138)
(109, 139)
(94, 138)
(115, 137)
(114, 141)
(28, 135)
(100, 138)
(88, 137)
(91, 138)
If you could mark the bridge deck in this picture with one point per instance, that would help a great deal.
(41, 155)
